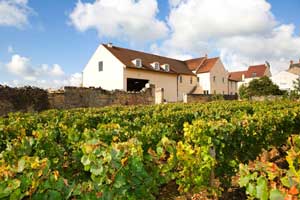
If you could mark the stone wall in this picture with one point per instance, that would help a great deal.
(28, 99)
(202, 98)
(73, 97)
(266, 98)
(25, 99)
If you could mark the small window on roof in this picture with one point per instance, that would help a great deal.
(166, 67)
(254, 74)
(156, 65)
(138, 62)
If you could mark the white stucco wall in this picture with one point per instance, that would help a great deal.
(284, 80)
(160, 80)
(110, 78)
(204, 81)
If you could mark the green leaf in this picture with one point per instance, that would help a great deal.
(262, 189)
(251, 189)
(119, 181)
(243, 182)
(276, 195)
(85, 160)
(286, 182)
(96, 170)
(21, 165)
(54, 195)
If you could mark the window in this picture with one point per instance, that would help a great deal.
(156, 65)
(180, 79)
(214, 78)
(166, 67)
(254, 74)
(223, 79)
(198, 79)
(205, 91)
(138, 62)
(100, 66)
(191, 80)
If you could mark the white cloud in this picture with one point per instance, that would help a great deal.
(10, 49)
(22, 67)
(56, 70)
(14, 13)
(43, 76)
(243, 32)
(133, 20)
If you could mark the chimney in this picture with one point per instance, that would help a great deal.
(110, 45)
(292, 62)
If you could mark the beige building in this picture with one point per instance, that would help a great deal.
(212, 76)
(113, 68)
(294, 68)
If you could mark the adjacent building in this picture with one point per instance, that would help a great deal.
(212, 76)
(294, 68)
(253, 72)
(285, 80)
(116, 68)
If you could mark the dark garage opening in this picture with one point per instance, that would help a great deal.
(136, 85)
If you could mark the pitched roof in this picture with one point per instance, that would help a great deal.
(126, 56)
(236, 76)
(257, 70)
(202, 65)
(193, 64)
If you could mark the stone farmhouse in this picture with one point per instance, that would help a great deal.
(116, 68)
(294, 68)
(253, 72)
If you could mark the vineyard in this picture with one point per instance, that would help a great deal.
(133, 152)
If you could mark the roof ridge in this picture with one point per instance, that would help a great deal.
(143, 52)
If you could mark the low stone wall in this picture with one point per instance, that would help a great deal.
(29, 99)
(25, 99)
(202, 98)
(73, 97)
(266, 98)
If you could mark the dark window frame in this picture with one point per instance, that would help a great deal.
(100, 66)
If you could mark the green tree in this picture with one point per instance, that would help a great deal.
(243, 92)
(297, 84)
(262, 87)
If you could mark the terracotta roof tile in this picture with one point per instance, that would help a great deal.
(236, 76)
(193, 64)
(207, 65)
(257, 70)
(202, 65)
(126, 56)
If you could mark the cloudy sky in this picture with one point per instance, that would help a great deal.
(47, 43)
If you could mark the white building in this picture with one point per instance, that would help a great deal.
(285, 80)
(113, 68)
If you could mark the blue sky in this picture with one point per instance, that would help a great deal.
(46, 43)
